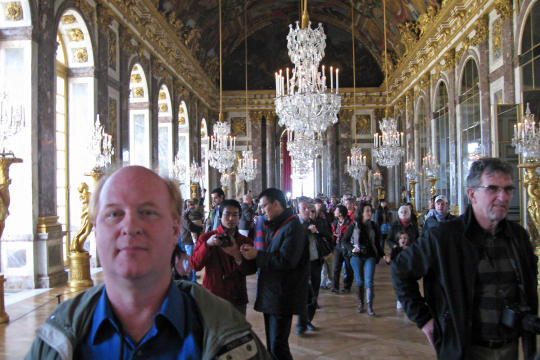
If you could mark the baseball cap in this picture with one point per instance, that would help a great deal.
(441, 197)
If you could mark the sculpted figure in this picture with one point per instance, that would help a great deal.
(86, 227)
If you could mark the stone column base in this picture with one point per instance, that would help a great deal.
(49, 263)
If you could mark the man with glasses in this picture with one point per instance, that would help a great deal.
(475, 269)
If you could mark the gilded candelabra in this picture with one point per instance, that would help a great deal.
(5, 181)
(79, 259)
(526, 141)
(432, 181)
(412, 192)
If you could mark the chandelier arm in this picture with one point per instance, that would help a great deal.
(353, 68)
(385, 58)
(220, 68)
(246, 64)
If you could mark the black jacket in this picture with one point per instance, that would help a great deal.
(248, 214)
(432, 221)
(397, 227)
(282, 287)
(447, 260)
(374, 243)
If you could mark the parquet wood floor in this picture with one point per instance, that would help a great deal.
(341, 334)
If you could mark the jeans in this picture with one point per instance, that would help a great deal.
(363, 266)
(313, 293)
(277, 329)
(338, 263)
(326, 272)
(189, 251)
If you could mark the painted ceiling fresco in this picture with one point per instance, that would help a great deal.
(267, 27)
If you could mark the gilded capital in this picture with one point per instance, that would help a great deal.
(504, 8)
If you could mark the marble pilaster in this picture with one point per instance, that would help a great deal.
(344, 149)
(256, 118)
(271, 159)
(485, 111)
(331, 164)
(508, 58)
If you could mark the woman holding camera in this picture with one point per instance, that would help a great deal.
(218, 252)
(362, 240)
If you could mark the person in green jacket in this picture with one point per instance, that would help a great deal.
(140, 311)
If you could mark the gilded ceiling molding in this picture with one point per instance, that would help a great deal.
(449, 59)
(104, 17)
(153, 32)
(504, 8)
(437, 30)
(86, 8)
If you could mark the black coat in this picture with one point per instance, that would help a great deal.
(248, 214)
(447, 260)
(282, 286)
(397, 227)
(374, 243)
(433, 222)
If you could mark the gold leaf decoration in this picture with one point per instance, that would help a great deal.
(68, 19)
(163, 107)
(162, 95)
(182, 120)
(75, 35)
(496, 38)
(138, 92)
(81, 55)
(14, 11)
(136, 78)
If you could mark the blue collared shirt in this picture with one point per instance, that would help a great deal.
(176, 333)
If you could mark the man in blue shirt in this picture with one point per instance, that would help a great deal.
(140, 312)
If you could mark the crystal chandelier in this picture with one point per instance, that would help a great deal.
(247, 166)
(11, 122)
(388, 147)
(222, 152)
(101, 146)
(356, 163)
(429, 163)
(178, 170)
(222, 147)
(303, 101)
(410, 171)
(304, 146)
(195, 172)
(377, 178)
(526, 138)
(300, 169)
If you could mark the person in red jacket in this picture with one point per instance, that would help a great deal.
(219, 252)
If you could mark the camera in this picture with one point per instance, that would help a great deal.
(519, 318)
(224, 240)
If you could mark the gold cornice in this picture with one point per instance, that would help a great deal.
(154, 34)
(48, 224)
(504, 8)
(444, 32)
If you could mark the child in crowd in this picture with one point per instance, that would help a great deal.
(404, 242)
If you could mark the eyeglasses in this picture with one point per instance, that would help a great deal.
(495, 189)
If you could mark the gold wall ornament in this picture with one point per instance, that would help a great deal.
(238, 125)
(85, 7)
(496, 35)
(162, 95)
(363, 124)
(75, 35)
(68, 19)
(181, 110)
(425, 20)
(136, 78)
(112, 49)
(504, 8)
(81, 55)
(449, 59)
(481, 28)
(14, 11)
(409, 35)
(163, 108)
(138, 92)
(181, 120)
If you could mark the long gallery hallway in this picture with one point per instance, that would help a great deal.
(342, 332)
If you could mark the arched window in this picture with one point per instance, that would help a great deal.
(183, 145)
(74, 110)
(139, 118)
(165, 143)
(441, 138)
(423, 148)
(469, 110)
(529, 60)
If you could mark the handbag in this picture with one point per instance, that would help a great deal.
(324, 247)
